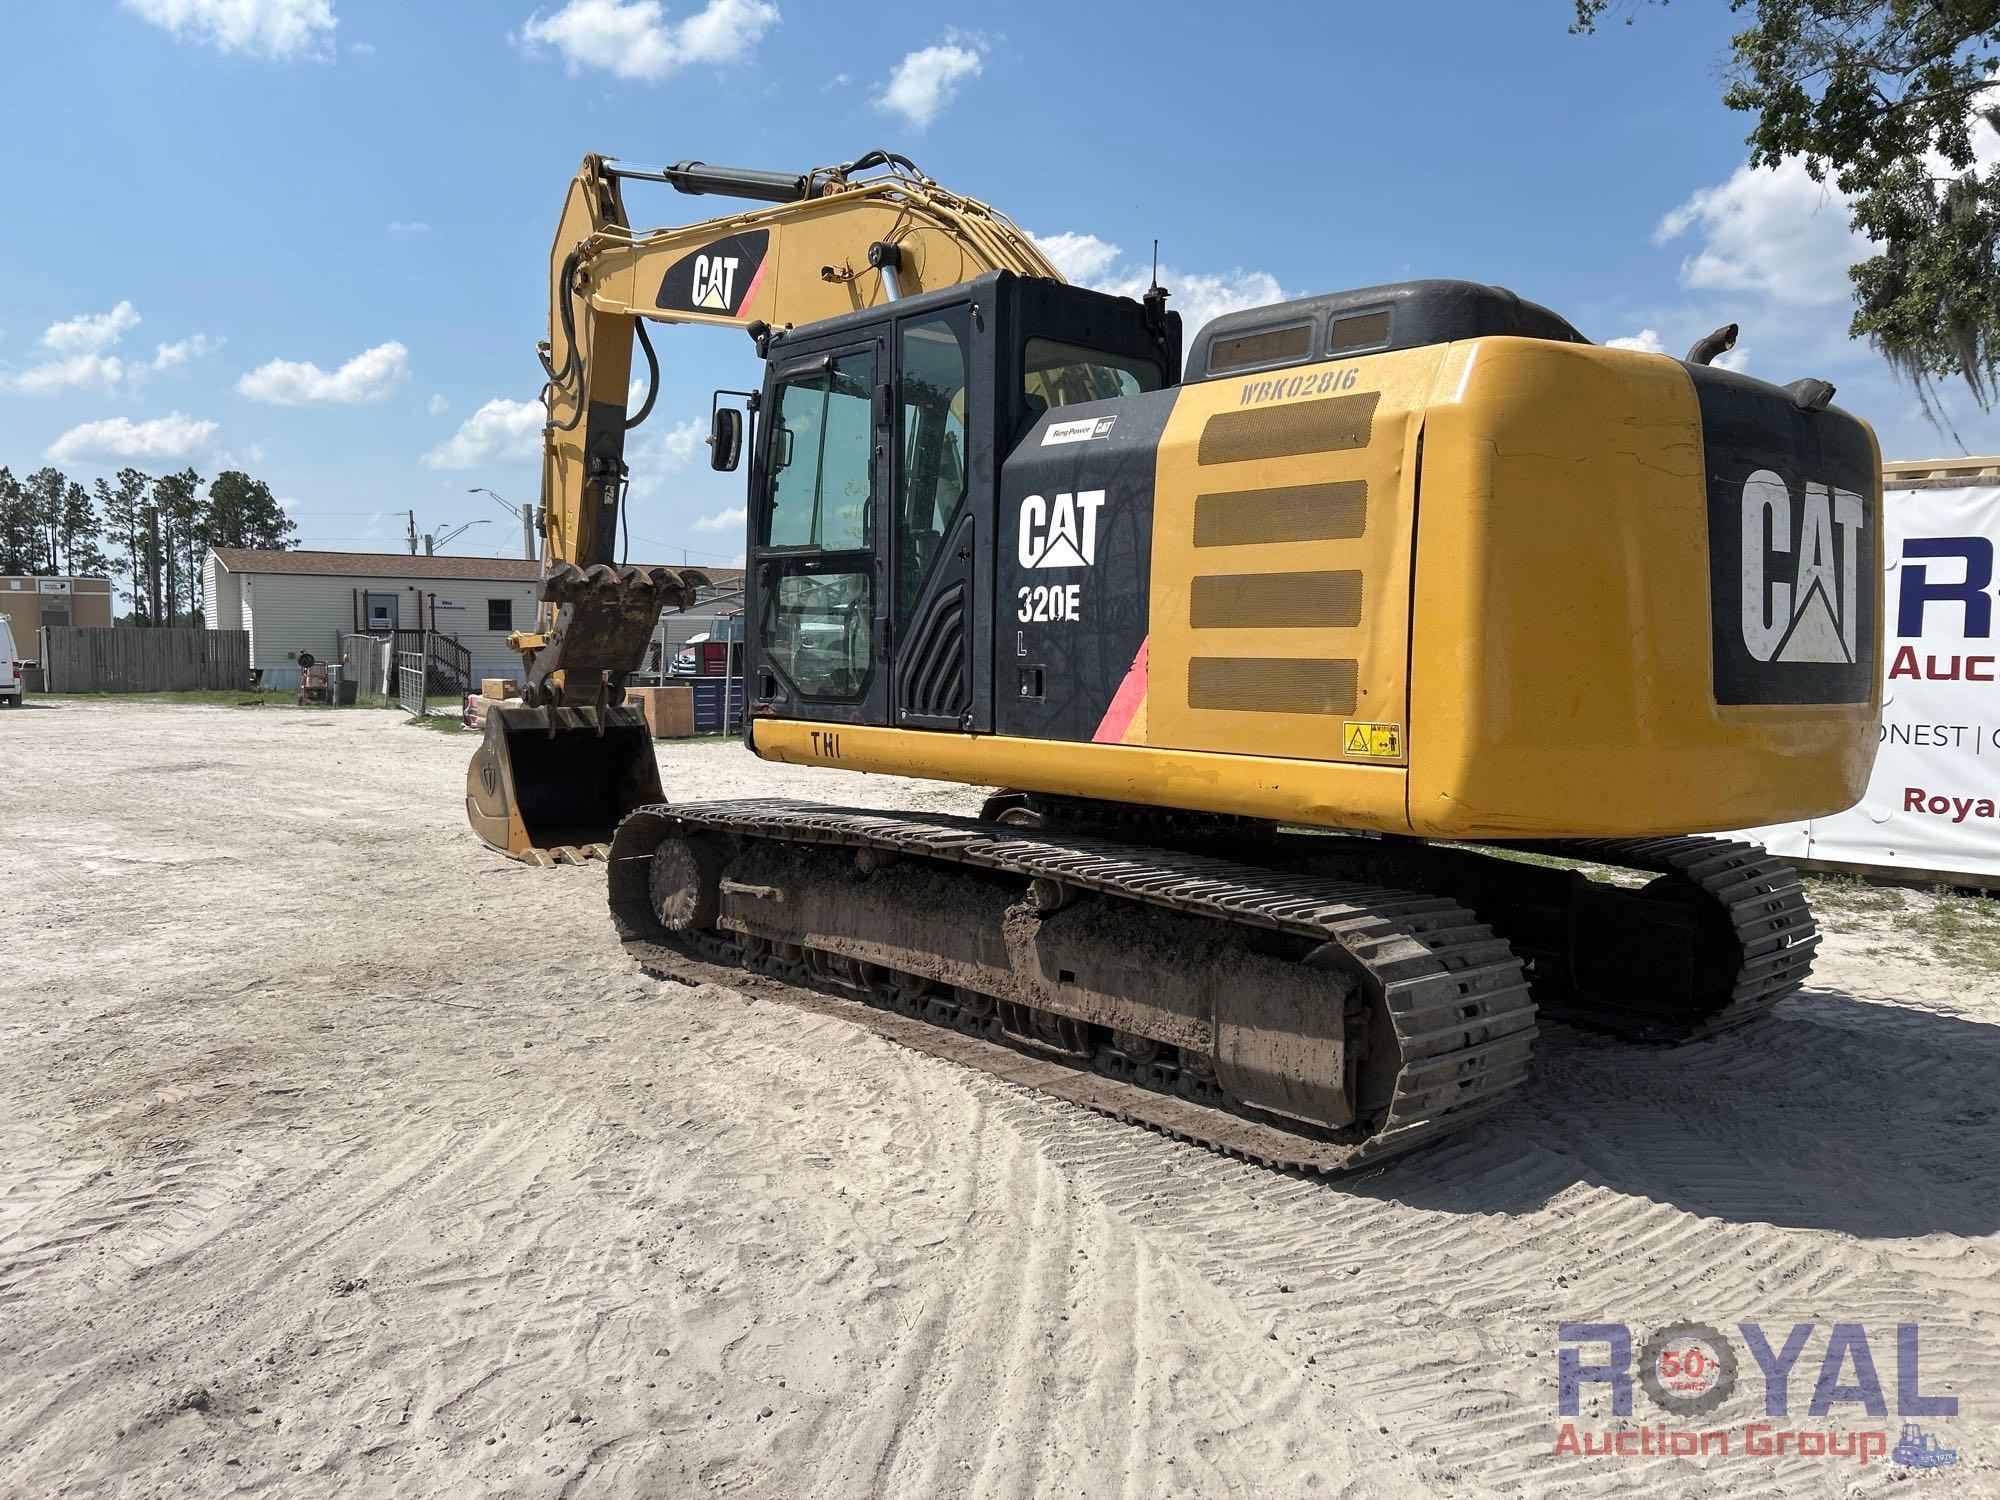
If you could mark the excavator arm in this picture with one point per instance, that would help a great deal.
(558, 773)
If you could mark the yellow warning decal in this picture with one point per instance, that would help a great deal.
(1383, 741)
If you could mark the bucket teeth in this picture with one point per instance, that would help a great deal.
(562, 583)
(602, 577)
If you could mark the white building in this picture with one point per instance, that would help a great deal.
(291, 602)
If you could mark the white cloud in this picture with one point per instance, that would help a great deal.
(656, 452)
(171, 356)
(1771, 230)
(663, 449)
(438, 406)
(1082, 258)
(408, 226)
(81, 362)
(176, 435)
(1646, 341)
(501, 430)
(731, 519)
(1776, 231)
(635, 39)
(78, 372)
(1199, 296)
(925, 81)
(90, 332)
(682, 442)
(369, 376)
(263, 28)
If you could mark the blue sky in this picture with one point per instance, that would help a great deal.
(309, 237)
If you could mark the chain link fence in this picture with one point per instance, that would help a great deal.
(439, 672)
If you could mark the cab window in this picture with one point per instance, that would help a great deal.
(1057, 374)
(821, 458)
(930, 484)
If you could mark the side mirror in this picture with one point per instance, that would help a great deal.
(725, 439)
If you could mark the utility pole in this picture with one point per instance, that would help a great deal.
(413, 533)
(527, 513)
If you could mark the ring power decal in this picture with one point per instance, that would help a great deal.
(1081, 431)
(1060, 533)
(719, 278)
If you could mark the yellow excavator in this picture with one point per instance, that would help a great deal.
(1313, 665)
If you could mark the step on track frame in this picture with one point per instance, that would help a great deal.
(1454, 994)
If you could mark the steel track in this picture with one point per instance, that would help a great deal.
(1454, 994)
(1762, 898)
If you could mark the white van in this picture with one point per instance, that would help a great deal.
(10, 667)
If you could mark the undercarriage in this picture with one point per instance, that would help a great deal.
(1301, 999)
(1287, 1018)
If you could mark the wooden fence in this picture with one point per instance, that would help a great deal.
(84, 659)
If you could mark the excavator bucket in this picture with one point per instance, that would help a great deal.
(549, 785)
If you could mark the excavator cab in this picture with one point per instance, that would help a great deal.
(876, 509)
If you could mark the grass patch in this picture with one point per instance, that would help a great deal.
(440, 723)
(1942, 925)
(1852, 895)
(1961, 929)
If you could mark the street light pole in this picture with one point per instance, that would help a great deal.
(445, 538)
(526, 512)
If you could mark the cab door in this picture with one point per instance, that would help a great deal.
(814, 565)
(939, 521)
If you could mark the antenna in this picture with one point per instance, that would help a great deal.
(1156, 296)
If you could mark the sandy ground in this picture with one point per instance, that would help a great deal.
(340, 1157)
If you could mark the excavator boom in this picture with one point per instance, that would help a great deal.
(552, 778)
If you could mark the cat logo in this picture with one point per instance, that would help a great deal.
(1062, 534)
(1801, 596)
(714, 279)
(720, 279)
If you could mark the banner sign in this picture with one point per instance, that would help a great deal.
(1934, 801)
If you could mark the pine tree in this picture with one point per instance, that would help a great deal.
(17, 526)
(124, 511)
(42, 494)
(177, 499)
(242, 512)
(79, 534)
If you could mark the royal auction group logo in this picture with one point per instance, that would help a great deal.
(1690, 1372)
